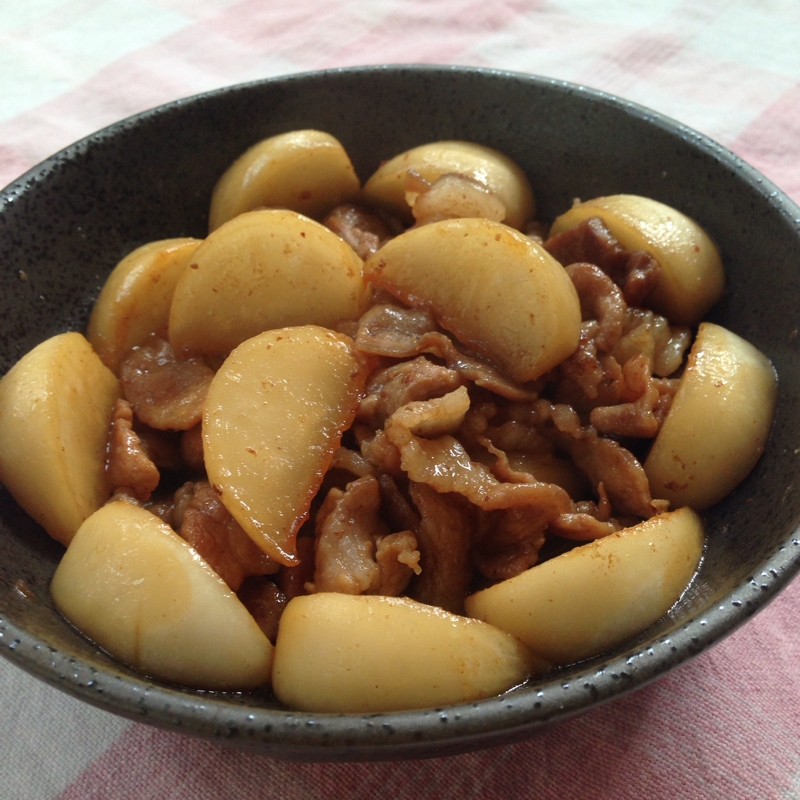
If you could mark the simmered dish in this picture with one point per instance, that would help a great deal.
(386, 447)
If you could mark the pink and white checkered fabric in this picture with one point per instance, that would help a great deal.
(726, 725)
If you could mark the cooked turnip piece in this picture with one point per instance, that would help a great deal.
(498, 291)
(135, 300)
(306, 171)
(498, 173)
(274, 416)
(138, 590)
(600, 594)
(361, 654)
(692, 277)
(263, 270)
(718, 424)
(56, 405)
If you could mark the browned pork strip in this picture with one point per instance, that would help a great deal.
(666, 393)
(349, 533)
(265, 602)
(601, 300)
(128, 468)
(635, 417)
(347, 524)
(392, 387)
(396, 508)
(192, 448)
(603, 460)
(166, 393)
(587, 380)
(351, 461)
(397, 557)
(651, 334)
(219, 539)
(382, 454)
(582, 374)
(636, 273)
(588, 520)
(608, 462)
(444, 537)
(473, 368)
(592, 242)
(361, 228)
(389, 330)
(456, 196)
(444, 464)
(510, 542)
(643, 273)
(292, 581)
(161, 447)
(583, 527)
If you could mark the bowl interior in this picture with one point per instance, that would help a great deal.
(65, 224)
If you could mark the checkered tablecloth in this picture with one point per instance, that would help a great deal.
(725, 725)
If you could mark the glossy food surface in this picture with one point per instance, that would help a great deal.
(262, 270)
(132, 585)
(587, 144)
(692, 274)
(135, 300)
(498, 291)
(307, 171)
(587, 600)
(490, 168)
(367, 653)
(274, 414)
(718, 424)
(55, 410)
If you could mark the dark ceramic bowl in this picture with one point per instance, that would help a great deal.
(65, 224)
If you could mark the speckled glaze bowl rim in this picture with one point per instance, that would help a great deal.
(434, 732)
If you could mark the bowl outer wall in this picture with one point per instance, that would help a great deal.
(66, 223)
